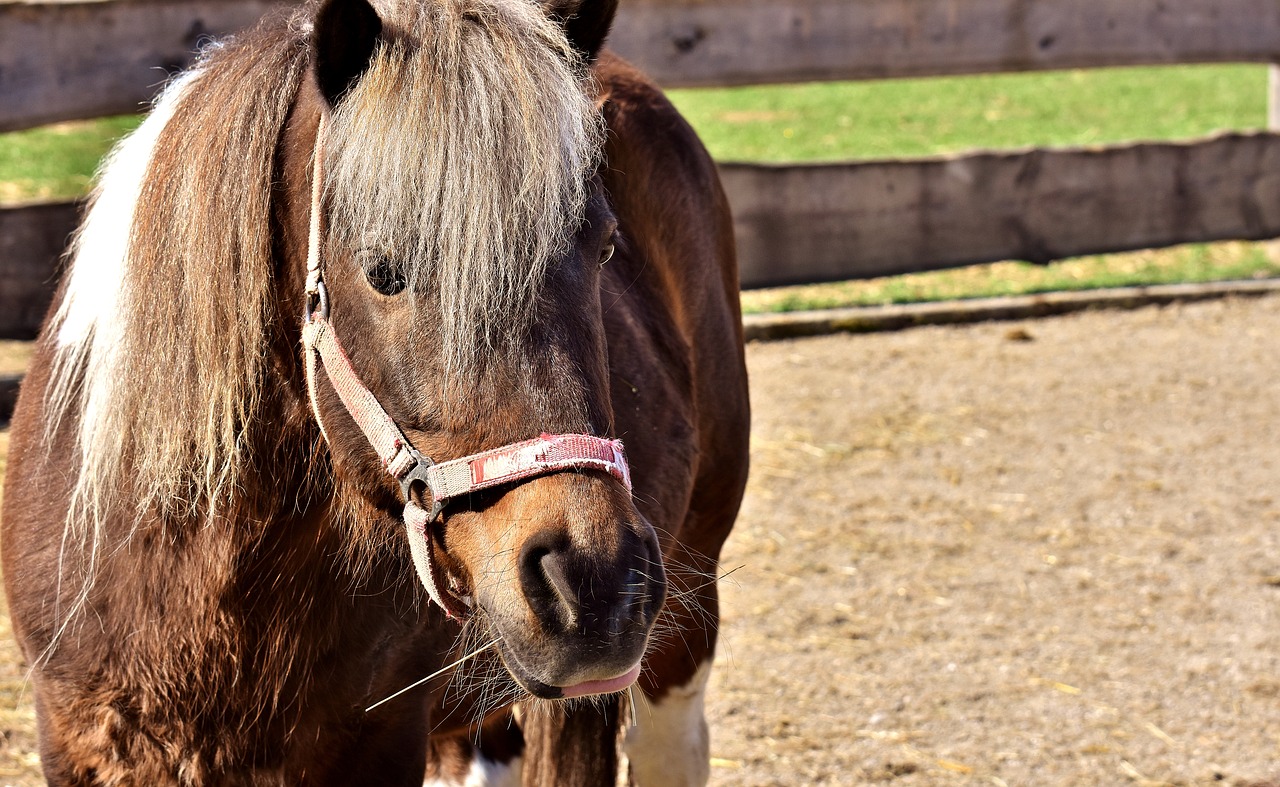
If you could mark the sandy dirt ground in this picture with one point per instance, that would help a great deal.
(1028, 554)
(1044, 553)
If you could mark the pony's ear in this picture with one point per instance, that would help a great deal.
(586, 23)
(345, 35)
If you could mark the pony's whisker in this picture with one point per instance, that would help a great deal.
(714, 580)
(435, 674)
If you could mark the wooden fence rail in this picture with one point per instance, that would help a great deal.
(32, 239)
(70, 60)
(78, 60)
(803, 224)
(795, 223)
(736, 42)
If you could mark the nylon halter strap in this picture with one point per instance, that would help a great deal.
(440, 482)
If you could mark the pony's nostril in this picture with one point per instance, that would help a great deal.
(572, 598)
(553, 571)
(545, 585)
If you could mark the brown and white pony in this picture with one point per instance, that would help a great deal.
(502, 234)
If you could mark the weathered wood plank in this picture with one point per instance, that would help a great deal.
(32, 239)
(730, 42)
(67, 60)
(894, 317)
(73, 60)
(799, 224)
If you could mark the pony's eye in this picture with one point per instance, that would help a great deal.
(606, 254)
(385, 276)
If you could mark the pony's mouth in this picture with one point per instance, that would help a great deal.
(590, 687)
(547, 691)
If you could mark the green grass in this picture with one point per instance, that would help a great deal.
(56, 162)
(918, 117)
(915, 117)
(1193, 263)
(890, 118)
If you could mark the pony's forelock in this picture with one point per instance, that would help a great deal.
(463, 156)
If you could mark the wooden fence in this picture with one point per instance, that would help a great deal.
(803, 223)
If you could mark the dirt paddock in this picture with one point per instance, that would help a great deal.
(1044, 553)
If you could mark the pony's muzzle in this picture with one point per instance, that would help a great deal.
(589, 608)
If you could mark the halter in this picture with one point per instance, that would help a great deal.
(414, 471)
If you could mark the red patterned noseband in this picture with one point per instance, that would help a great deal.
(440, 482)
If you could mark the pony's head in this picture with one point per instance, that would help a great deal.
(461, 230)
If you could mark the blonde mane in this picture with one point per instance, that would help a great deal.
(168, 374)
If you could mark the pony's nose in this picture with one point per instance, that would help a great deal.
(634, 599)
(574, 597)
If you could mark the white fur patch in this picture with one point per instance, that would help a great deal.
(485, 773)
(670, 745)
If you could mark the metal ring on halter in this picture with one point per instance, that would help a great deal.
(419, 473)
(319, 298)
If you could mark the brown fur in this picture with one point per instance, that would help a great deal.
(245, 592)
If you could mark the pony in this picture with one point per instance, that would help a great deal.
(389, 419)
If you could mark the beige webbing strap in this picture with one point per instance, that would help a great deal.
(417, 525)
(317, 202)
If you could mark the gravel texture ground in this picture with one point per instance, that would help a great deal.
(1041, 553)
